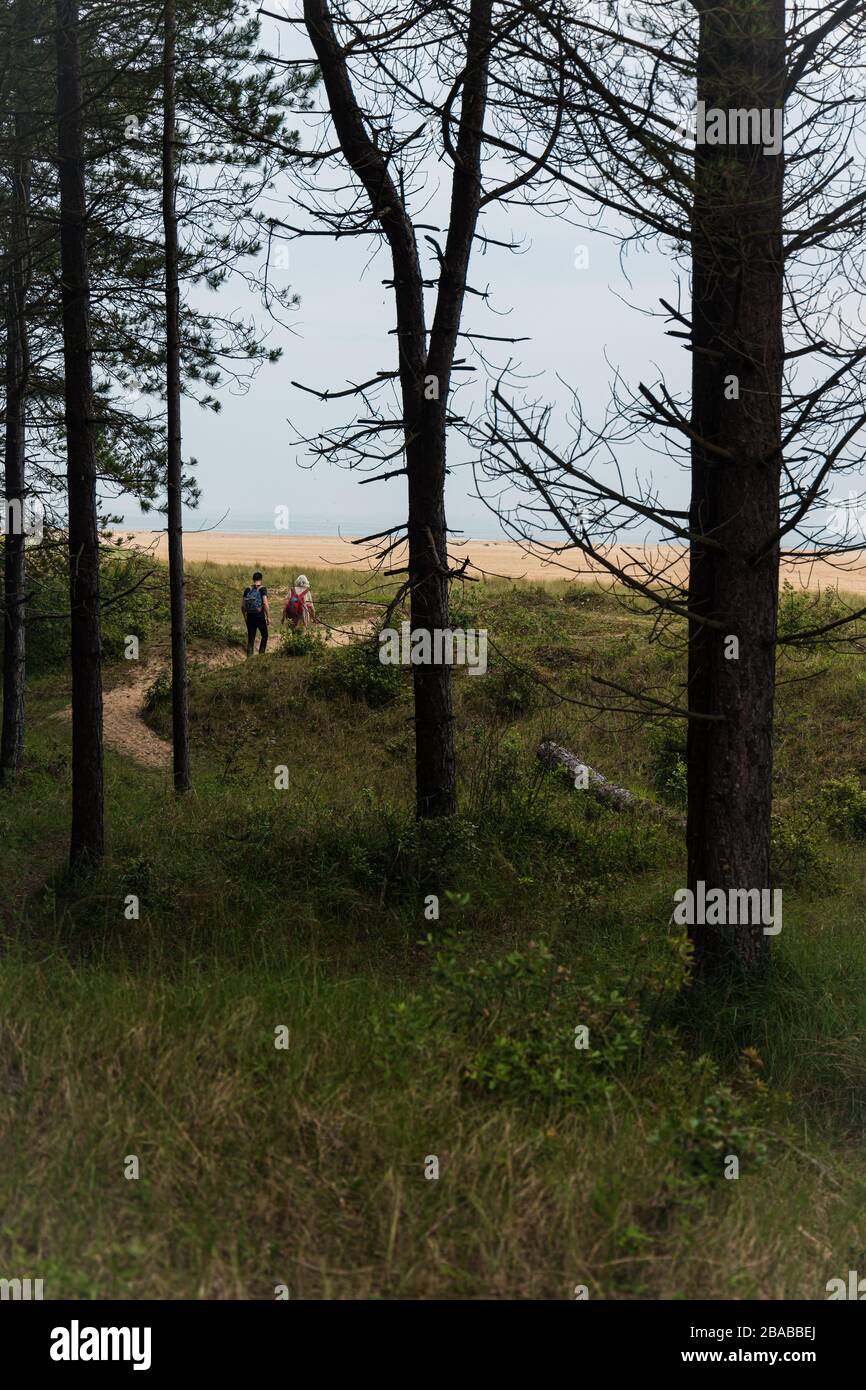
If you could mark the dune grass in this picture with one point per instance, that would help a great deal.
(412, 1035)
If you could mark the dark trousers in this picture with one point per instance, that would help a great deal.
(256, 623)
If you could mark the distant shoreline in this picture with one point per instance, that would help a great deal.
(496, 559)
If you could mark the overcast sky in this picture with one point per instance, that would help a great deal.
(581, 313)
(248, 463)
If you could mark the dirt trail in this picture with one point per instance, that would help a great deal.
(123, 726)
(124, 729)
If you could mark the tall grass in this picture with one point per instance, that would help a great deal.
(413, 1033)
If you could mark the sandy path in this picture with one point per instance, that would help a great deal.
(123, 726)
(505, 559)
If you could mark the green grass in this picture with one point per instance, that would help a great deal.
(412, 1036)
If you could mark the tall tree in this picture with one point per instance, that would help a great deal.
(777, 374)
(174, 466)
(394, 85)
(423, 412)
(736, 468)
(87, 833)
(17, 371)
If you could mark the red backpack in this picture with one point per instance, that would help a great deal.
(295, 603)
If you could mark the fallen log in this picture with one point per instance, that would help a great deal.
(587, 779)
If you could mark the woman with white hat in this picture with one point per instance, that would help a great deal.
(299, 604)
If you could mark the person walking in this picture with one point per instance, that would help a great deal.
(256, 610)
(299, 608)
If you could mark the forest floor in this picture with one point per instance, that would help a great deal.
(284, 1000)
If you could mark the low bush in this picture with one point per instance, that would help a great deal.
(526, 1028)
(843, 802)
(355, 671)
(797, 858)
(667, 744)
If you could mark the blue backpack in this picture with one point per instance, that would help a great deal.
(253, 602)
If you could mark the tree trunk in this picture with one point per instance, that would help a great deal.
(597, 785)
(424, 374)
(17, 370)
(179, 676)
(736, 464)
(87, 837)
(435, 758)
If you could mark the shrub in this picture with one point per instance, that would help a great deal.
(206, 614)
(304, 642)
(511, 690)
(158, 693)
(509, 1025)
(133, 601)
(796, 858)
(710, 1120)
(356, 671)
(800, 612)
(843, 802)
(463, 609)
(667, 741)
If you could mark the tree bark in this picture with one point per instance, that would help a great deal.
(87, 836)
(736, 465)
(17, 371)
(179, 675)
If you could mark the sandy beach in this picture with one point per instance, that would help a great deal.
(502, 559)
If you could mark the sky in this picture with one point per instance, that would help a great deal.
(588, 315)
(564, 299)
(248, 461)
